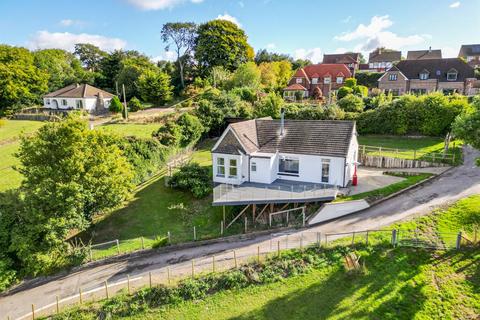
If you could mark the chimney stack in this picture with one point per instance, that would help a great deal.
(282, 122)
(429, 49)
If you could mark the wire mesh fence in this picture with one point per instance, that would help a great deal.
(410, 154)
(169, 275)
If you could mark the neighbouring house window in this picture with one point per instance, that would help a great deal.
(452, 76)
(47, 101)
(418, 91)
(371, 65)
(392, 77)
(388, 65)
(325, 170)
(64, 102)
(220, 167)
(339, 80)
(423, 76)
(288, 166)
(254, 166)
(395, 92)
(351, 65)
(327, 80)
(314, 80)
(232, 170)
(79, 104)
(299, 80)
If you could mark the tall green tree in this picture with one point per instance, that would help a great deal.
(70, 174)
(181, 36)
(130, 71)
(90, 55)
(111, 66)
(263, 55)
(154, 87)
(21, 82)
(221, 43)
(247, 75)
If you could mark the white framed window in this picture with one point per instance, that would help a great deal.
(288, 166)
(452, 76)
(325, 170)
(47, 101)
(314, 80)
(64, 102)
(220, 167)
(339, 80)
(232, 169)
(371, 65)
(424, 76)
(254, 167)
(392, 77)
(298, 80)
(79, 104)
(327, 80)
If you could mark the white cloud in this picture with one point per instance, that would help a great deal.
(158, 4)
(314, 54)
(455, 5)
(271, 46)
(228, 17)
(71, 23)
(375, 35)
(66, 40)
(167, 55)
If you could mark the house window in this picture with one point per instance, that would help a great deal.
(395, 92)
(47, 101)
(79, 104)
(371, 65)
(254, 167)
(220, 167)
(288, 166)
(327, 80)
(64, 102)
(392, 77)
(339, 80)
(314, 80)
(325, 170)
(299, 80)
(424, 76)
(418, 91)
(232, 170)
(452, 76)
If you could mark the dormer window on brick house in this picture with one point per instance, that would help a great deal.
(299, 80)
(314, 80)
(327, 79)
(340, 78)
(452, 75)
(424, 75)
(392, 77)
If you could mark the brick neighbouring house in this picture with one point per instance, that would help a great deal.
(381, 60)
(424, 76)
(325, 77)
(351, 60)
(471, 53)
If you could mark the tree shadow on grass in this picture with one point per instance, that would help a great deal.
(388, 290)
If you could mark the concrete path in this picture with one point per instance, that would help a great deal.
(455, 184)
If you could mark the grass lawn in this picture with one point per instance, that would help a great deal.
(12, 129)
(395, 283)
(422, 145)
(142, 130)
(373, 195)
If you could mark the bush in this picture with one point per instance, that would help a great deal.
(343, 92)
(246, 94)
(7, 274)
(135, 105)
(169, 135)
(115, 105)
(194, 178)
(269, 106)
(351, 103)
(159, 242)
(191, 129)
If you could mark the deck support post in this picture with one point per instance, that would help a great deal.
(224, 213)
(271, 207)
(254, 209)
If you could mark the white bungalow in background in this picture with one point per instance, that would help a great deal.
(287, 154)
(78, 97)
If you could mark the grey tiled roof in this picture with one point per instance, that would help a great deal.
(385, 56)
(437, 68)
(424, 54)
(309, 137)
(469, 50)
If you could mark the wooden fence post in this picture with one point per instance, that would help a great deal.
(58, 304)
(106, 289)
(221, 227)
(213, 264)
(169, 237)
(394, 238)
(278, 248)
(143, 244)
(459, 240)
(128, 284)
(118, 246)
(33, 311)
(246, 222)
(194, 233)
(150, 279)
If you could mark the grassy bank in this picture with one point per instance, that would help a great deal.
(394, 283)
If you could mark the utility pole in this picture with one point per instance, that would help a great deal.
(116, 88)
(125, 109)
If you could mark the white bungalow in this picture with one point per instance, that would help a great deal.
(78, 97)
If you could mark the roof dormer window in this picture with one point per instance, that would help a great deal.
(424, 75)
(314, 80)
(299, 80)
(452, 75)
(327, 80)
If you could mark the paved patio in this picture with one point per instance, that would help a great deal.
(370, 179)
(280, 191)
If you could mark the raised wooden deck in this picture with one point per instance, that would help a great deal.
(280, 191)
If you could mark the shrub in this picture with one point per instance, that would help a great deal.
(194, 178)
(159, 242)
(246, 94)
(191, 129)
(7, 274)
(344, 91)
(351, 103)
(169, 135)
(115, 105)
(269, 106)
(135, 105)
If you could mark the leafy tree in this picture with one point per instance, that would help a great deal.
(182, 36)
(219, 77)
(134, 105)
(62, 67)
(90, 55)
(275, 75)
(263, 55)
(467, 125)
(300, 63)
(21, 82)
(211, 117)
(130, 71)
(192, 178)
(70, 173)
(154, 86)
(191, 129)
(247, 75)
(351, 103)
(269, 106)
(169, 135)
(115, 105)
(221, 43)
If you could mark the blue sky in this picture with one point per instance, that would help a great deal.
(301, 28)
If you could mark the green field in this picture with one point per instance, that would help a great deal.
(142, 130)
(394, 283)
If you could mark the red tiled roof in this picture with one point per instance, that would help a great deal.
(295, 87)
(322, 69)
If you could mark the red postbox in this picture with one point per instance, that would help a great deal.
(355, 177)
